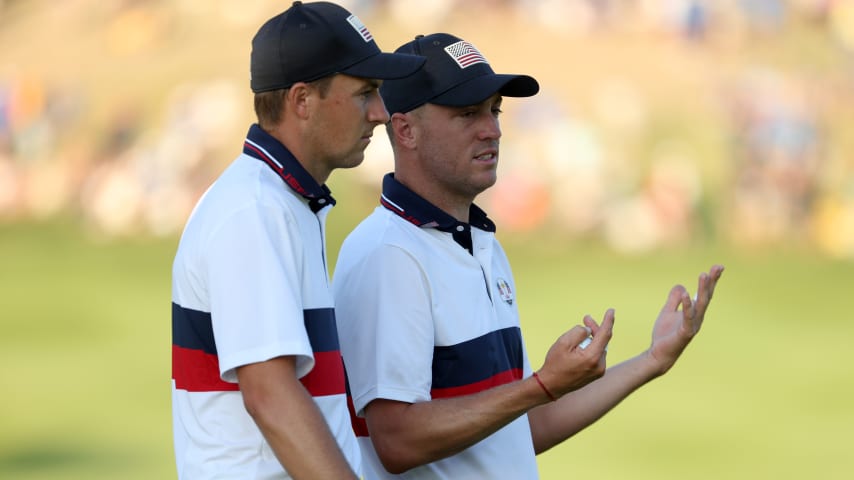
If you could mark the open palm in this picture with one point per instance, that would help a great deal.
(681, 318)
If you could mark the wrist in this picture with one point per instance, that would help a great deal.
(653, 367)
(545, 389)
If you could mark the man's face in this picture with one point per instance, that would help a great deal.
(458, 146)
(343, 121)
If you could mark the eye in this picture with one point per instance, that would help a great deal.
(496, 111)
(367, 92)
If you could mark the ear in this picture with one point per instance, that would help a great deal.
(405, 131)
(298, 100)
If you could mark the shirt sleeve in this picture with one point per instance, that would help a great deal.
(253, 268)
(383, 306)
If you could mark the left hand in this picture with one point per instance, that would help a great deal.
(675, 328)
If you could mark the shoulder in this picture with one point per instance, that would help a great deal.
(246, 201)
(377, 235)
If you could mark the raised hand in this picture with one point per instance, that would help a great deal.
(681, 318)
(569, 367)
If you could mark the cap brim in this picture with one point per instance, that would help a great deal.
(386, 66)
(481, 88)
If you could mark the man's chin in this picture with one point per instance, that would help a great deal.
(353, 161)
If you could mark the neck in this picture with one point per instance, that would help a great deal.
(455, 206)
(290, 138)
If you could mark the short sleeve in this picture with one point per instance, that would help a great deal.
(253, 265)
(385, 325)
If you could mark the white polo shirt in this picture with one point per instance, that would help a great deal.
(250, 283)
(426, 309)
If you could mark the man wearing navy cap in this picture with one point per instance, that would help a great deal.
(258, 387)
(427, 305)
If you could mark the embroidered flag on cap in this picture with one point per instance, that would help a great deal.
(465, 54)
(360, 27)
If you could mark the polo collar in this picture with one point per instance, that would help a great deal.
(407, 204)
(263, 146)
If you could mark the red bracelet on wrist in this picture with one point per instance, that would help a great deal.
(548, 393)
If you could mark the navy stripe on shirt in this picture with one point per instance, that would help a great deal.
(475, 361)
(321, 328)
(193, 329)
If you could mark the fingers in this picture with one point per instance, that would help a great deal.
(603, 334)
(689, 313)
(575, 336)
(579, 336)
(703, 295)
(706, 287)
(675, 298)
(595, 330)
(693, 311)
(569, 364)
(591, 324)
(714, 275)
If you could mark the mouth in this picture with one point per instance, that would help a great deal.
(489, 156)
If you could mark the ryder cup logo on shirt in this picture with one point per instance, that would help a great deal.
(504, 291)
(360, 27)
(465, 54)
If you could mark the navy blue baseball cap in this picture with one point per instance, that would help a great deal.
(309, 41)
(456, 75)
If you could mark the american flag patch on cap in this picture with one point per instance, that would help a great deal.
(465, 54)
(360, 27)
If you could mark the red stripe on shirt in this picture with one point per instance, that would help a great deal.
(327, 376)
(491, 382)
(197, 371)
(360, 426)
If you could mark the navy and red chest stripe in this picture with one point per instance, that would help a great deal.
(466, 368)
(479, 364)
(195, 364)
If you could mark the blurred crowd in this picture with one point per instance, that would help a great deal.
(781, 174)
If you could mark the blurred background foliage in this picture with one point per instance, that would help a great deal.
(659, 123)
(668, 135)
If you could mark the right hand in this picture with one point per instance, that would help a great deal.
(567, 366)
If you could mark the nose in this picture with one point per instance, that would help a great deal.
(377, 111)
(491, 129)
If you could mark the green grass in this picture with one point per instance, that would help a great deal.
(766, 390)
(85, 354)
